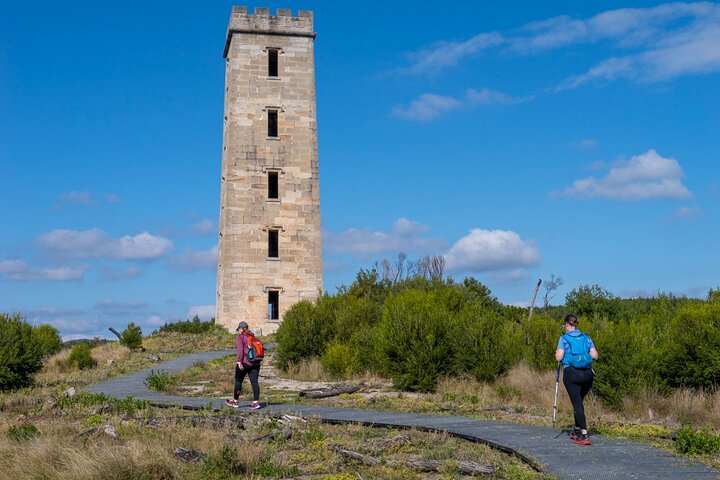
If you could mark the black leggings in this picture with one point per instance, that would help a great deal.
(253, 373)
(578, 383)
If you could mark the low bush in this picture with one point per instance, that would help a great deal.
(81, 357)
(24, 431)
(697, 442)
(159, 381)
(131, 337)
(340, 360)
(541, 337)
(304, 332)
(48, 339)
(486, 347)
(194, 326)
(415, 344)
(20, 353)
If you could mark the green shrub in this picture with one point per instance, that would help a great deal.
(159, 381)
(542, 334)
(81, 357)
(415, 340)
(697, 442)
(131, 336)
(20, 354)
(24, 431)
(690, 356)
(340, 360)
(224, 463)
(48, 339)
(592, 300)
(195, 326)
(485, 346)
(628, 357)
(304, 332)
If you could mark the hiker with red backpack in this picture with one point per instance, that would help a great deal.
(576, 351)
(249, 355)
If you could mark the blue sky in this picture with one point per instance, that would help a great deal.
(518, 139)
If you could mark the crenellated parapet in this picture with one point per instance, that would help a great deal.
(261, 22)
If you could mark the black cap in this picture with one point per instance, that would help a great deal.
(242, 325)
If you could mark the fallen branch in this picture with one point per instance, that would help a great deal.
(394, 440)
(330, 392)
(465, 467)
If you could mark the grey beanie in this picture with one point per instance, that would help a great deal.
(242, 325)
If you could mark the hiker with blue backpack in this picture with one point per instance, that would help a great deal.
(576, 351)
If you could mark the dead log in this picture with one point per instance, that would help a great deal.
(271, 437)
(465, 467)
(394, 440)
(330, 392)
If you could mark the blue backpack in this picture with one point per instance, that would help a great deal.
(579, 355)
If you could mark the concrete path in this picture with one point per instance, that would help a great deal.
(607, 458)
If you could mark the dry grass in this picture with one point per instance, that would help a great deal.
(309, 370)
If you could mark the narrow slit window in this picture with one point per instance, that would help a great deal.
(272, 63)
(272, 123)
(273, 251)
(273, 179)
(273, 305)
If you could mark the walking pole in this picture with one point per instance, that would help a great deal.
(557, 384)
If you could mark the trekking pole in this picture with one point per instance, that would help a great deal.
(557, 384)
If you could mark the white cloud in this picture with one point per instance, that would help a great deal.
(205, 312)
(154, 321)
(488, 250)
(429, 105)
(115, 308)
(644, 176)
(191, 260)
(19, 270)
(651, 44)
(686, 214)
(95, 243)
(404, 237)
(585, 144)
(112, 198)
(112, 273)
(448, 54)
(78, 198)
(204, 227)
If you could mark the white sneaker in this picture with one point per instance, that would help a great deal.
(232, 403)
(255, 405)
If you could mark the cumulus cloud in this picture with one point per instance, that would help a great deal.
(95, 243)
(488, 250)
(406, 235)
(19, 270)
(204, 227)
(115, 308)
(429, 105)
(585, 144)
(205, 312)
(650, 44)
(645, 176)
(191, 260)
(112, 273)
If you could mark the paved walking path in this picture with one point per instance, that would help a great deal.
(607, 458)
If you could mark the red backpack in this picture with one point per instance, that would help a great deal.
(256, 352)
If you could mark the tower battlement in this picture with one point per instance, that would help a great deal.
(261, 22)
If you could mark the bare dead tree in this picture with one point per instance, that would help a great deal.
(431, 267)
(551, 286)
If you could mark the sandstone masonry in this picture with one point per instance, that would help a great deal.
(269, 249)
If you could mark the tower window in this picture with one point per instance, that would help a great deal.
(273, 250)
(273, 305)
(272, 63)
(273, 192)
(272, 123)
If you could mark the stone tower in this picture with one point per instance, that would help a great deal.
(269, 251)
